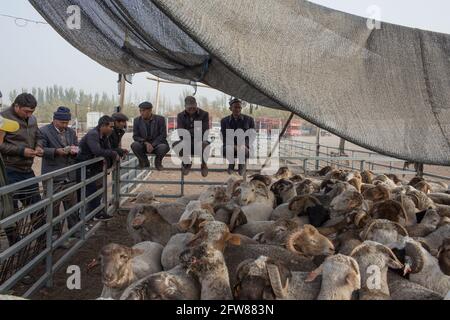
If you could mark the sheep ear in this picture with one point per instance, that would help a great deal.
(184, 225)
(353, 280)
(233, 239)
(314, 274)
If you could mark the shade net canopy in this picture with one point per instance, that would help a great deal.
(384, 89)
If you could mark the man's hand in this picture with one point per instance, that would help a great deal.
(149, 147)
(39, 152)
(61, 152)
(29, 153)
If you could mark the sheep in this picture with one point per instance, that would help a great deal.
(284, 190)
(427, 225)
(440, 198)
(208, 265)
(384, 231)
(377, 193)
(307, 186)
(403, 289)
(214, 195)
(390, 210)
(435, 239)
(171, 252)
(307, 241)
(424, 268)
(121, 265)
(367, 176)
(304, 205)
(345, 202)
(283, 173)
(267, 279)
(373, 260)
(175, 284)
(384, 180)
(432, 187)
(444, 257)
(144, 197)
(267, 180)
(152, 226)
(277, 232)
(253, 192)
(186, 199)
(409, 208)
(421, 200)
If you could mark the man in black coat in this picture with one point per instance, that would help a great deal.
(115, 139)
(96, 144)
(60, 144)
(150, 136)
(231, 146)
(186, 120)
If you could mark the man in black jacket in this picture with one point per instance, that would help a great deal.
(96, 144)
(120, 123)
(231, 146)
(150, 136)
(186, 120)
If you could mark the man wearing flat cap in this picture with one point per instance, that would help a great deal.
(232, 148)
(60, 144)
(115, 139)
(193, 119)
(150, 136)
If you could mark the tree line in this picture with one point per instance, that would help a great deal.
(80, 102)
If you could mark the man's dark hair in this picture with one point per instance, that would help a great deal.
(105, 121)
(25, 100)
(190, 100)
(145, 105)
(119, 116)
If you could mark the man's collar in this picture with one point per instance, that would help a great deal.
(241, 117)
(59, 131)
(195, 113)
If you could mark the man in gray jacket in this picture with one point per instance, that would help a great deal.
(150, 136)
(60, 144)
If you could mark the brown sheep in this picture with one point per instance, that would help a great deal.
(391, 210)
(377, 193)
(307, 241)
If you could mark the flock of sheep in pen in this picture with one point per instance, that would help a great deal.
(335, 235)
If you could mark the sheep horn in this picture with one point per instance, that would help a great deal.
(413, 250)
(275, 281)
(367, 230)
(389, 252)
(91, 265)
(290, 241)
(243, 269)
(402, 208)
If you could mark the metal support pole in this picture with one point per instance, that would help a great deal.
(83, 200)
(278, 141)
(158, 87)
(116, 186)
(49, 212)
(317, 147)
(105, 188)
(122, 92)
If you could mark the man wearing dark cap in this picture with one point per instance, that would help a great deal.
(231, 147)
(115, 139)
(186, 120)
(60, 145)
(150, 136)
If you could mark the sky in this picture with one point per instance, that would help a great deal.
(35, 55)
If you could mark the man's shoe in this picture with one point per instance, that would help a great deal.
(102, 216)
(230, 169)
(242, 169)
(158, 164)
(186, 169)
(204, 170)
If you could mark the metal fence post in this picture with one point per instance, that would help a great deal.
(83, 200)
(362, 165)
(49, 219)
(116, 186)
(105, 188)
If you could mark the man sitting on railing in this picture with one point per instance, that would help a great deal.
(96, 144)
(150, 137)
(186, 120)
(19, 150)
(60, 145)
(231, 146)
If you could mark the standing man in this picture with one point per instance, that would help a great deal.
(21, 147)
(6, 201)
(186, 120)
(96, 144)
(115, 139)
(231, 147)
(60, 145)
(150, 137)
